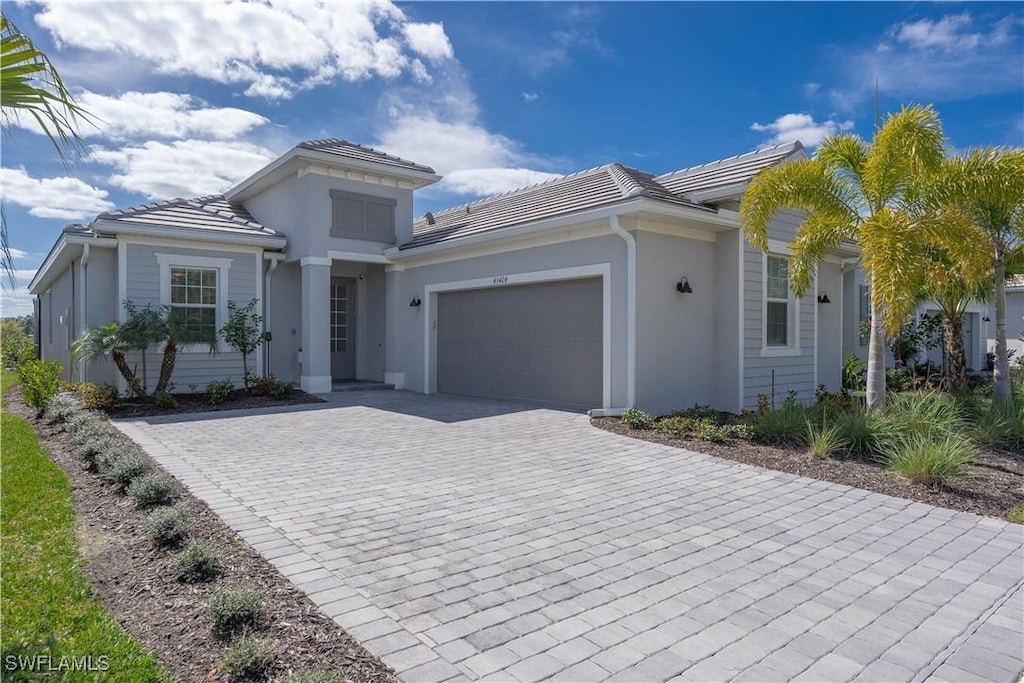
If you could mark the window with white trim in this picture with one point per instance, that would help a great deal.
(194, 300)
(778, 311)
(195, 289)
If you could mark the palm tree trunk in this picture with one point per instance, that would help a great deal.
(167, 365)
(1001, 371)
(876, 361)
(955, 377)
(122, 366)
(145, 374)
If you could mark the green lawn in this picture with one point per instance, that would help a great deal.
(49, 615)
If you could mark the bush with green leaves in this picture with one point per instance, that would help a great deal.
(169, 526)
(634, 418)
(1016, 514)
(153, 488)
(930, 460)
(243, 332)
(249, 658)
(98, 396)
(269, 386)
(94, 429)
(785, 426)
(219, 391)
(62, 407)
(1001, 425)
(165, 400)
(197, 564)
(235, 610)
(78, 420)
(39, 381)
(824, 440)
(16, 346)
(701, 428)
(926, 413)
(91, 450)
(865, 434)
(123, 467)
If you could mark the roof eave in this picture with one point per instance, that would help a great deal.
(61, 254)
(214, 235)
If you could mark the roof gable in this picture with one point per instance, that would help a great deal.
(212, 212)
(352, 150)
(735, 171)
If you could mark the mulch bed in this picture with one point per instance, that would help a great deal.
(198, 403)
(997, 484)
(169, 618)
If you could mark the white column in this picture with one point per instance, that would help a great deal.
(316, 331)
(393, 370)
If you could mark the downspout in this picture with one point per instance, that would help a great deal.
(84, 298)
(267, 355)
(613, 222)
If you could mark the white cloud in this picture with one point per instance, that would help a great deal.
(16, 301)
(164, 115)
(274, 48)
(64, 198)
(955, 57)
(802, 127)
(18, 254)
(429, 40)
(480, 181)
(184, 168)
(530, 96)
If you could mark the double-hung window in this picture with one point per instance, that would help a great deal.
(777, 308)
(194, 288)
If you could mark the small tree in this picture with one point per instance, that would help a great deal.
(107, 340)
(243, 332)
(145, 327)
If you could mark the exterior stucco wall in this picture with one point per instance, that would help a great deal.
(830, 326)
(675, 355)
(412, 327)
(57, 321)
(1014, 324)
(275, 208)
(726, 377)
(194, 367)
(778, 374)
(285, 321)
(101, 306)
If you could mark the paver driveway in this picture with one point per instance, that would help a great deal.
(475, 539)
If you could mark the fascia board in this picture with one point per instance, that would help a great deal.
(205, 235)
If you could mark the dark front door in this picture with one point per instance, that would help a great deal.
(343, 318)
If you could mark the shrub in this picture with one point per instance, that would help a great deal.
(930, 461)
(249, 658)
(16, 346)
(262, 386)
(153, 488)
(197, 564)
(787, 425)
(77, 421)
(90, 450)
(122, 467)
(98, 396)
(40, 382)
(168, 527)
(865, 434)
(1016, 514)
(637, 419)
(62, 407)
(219, 391)
(854, 375)
(1001, 425)
(825, 440)
(91, 430)
(925, 413)
(165, 400)
(699, 412)
(235, 610)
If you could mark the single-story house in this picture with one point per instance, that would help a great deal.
(1014, 318)
(604, 289)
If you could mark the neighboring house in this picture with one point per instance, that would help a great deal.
(603, 289)
(1014, 318)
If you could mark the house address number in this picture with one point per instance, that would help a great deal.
(500, 279)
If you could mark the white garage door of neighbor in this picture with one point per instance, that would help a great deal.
(540, 342)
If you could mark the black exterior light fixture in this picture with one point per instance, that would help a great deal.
(683, 286)
(823, 298)
(415, 302)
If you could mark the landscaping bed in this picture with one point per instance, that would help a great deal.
(200, 403)
(997, 484)
(133, 579)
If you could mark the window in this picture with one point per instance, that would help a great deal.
(195, 289)
(362, 217)
(865, 315)
(194, 300)
(777, 315)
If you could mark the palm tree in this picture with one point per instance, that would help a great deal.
(858, 190)
(107, 340)
(987, 185)
(145, 327)
(30, 84)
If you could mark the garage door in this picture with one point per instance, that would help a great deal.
(538, 342)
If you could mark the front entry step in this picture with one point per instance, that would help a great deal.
(360, 385)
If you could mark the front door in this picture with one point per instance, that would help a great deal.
(343, 319)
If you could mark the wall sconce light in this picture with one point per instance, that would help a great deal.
(683, 286)
(986, 319)
(415, 302)
(823, 298)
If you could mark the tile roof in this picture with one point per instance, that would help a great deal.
(732, 171)
(568, 194)
(351, 150)
(209, 212)
(1015, 282)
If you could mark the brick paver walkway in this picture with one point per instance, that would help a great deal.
(474, 539)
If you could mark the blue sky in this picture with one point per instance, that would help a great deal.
(193, 97)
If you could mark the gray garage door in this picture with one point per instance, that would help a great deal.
(539, 342)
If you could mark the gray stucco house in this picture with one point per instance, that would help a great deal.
(603, 289)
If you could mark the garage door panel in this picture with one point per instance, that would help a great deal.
(539, 342)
